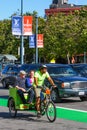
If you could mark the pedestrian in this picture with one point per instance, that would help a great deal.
(73, 60)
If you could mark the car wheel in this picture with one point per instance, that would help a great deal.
(83, 98)
(55, 96)
(4, 84)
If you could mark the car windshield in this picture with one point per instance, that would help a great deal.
(24, 67)
(61, 71)
(81, 69)
(11, 69)
(29, 67)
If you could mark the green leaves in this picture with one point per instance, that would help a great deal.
(66, 34)
(63, 34)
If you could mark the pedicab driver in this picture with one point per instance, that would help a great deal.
(39, 77)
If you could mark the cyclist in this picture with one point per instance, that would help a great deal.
(39, 77)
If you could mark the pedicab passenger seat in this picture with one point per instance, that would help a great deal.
(13, 93)
(18, 102)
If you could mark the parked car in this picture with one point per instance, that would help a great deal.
(69, 84)
(9, 74)
(81, 69)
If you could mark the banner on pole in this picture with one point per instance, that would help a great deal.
(27, 25)
(32, 40)
(16, 25)
(40, 40)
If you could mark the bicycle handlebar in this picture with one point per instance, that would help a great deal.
(29, 89)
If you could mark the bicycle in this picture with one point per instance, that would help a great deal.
(47, 106)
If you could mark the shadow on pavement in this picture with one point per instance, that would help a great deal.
(26, 117)
(3, 88)
(4, 96)
(70, 100)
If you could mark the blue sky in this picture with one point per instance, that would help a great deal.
(8, 7)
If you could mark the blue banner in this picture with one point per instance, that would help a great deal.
(32, 40)
(16, 25)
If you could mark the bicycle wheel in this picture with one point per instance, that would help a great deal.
(12, 110)
(42, 108)
(51, 111)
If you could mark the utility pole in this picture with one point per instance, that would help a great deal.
(22, 38)
(36, 48)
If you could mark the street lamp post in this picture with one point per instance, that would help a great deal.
(22, 38)
(85, 57)
(36, 48)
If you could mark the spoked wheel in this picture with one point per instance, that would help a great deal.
(42, 108)
(51, 112)
(4, 84)
(12, 110)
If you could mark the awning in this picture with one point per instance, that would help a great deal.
(9, 57)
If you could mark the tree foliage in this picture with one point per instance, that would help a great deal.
(63, 34)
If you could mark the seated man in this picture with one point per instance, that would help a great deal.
(20, 85)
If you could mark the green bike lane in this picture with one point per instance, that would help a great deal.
(64, 113)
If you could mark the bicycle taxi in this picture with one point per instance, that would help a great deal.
(15, 104)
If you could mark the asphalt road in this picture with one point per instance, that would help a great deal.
(28, 121)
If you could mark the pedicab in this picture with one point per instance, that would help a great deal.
(46, 108)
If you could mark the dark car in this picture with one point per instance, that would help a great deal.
(81, 69)
(9, 74)
(69, 84)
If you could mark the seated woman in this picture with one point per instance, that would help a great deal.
(29, 82)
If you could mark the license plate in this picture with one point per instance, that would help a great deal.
(81, 93)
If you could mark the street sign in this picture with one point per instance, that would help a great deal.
(27, 25)
(32, 40)
(40, 40)
(16, 25)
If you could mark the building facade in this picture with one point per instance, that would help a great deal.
(62, 6)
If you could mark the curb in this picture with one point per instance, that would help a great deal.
(65, 113)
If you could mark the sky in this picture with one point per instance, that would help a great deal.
(8, 7)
